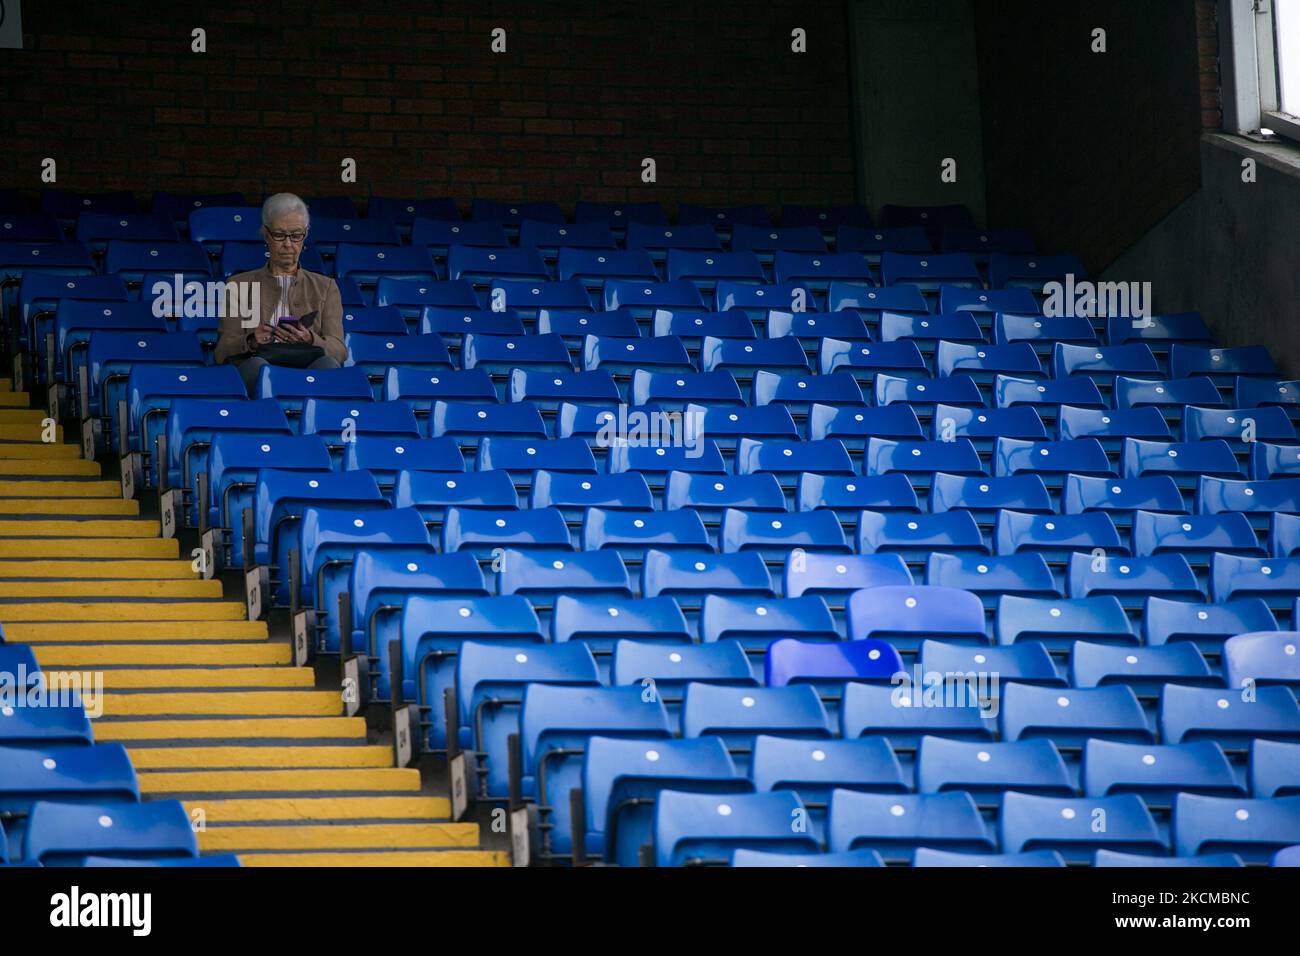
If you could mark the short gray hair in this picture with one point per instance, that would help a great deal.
(282, 204)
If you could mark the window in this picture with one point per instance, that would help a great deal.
(1260, 59)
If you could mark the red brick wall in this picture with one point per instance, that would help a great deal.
(288, 88)
(1207, 55)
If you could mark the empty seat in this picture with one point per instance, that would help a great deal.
(905, 714)
(1221, 365)
(600, 621)
(829, 666)
(898, 824)
(1253, 829)
(756, 621)
(1276, 581)
(1145, 669)
(480, 531)
(1051, 460)
(1057, 624)
(1133, 579)
(905, 615)
(711, 495)
(915, 536)
(1156, 773)
(1185, 462)
(1206, 625)
(1038, 858)
(1274, 769)
(985, 770)
(1196, 537)
(693, 829)
(739, 714)
(1262, 658)
(1077, 827)
(847, 497)
(834, 575)
(1070, 716)
(664, 672)
(691, 576)
(1102, 363)
(61, 833)
(985, 498)
(630, 533)
(1207, 713)
(1055, 537)
(988, 577)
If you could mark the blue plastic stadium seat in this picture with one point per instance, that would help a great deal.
(1046, 395)
(855, 859)
(693, 829)
(1170, 397)
(1196, 537)
(491, 682)
(375, 354)
(1221, 365)
(1039, 858)
(60, 833)
(368, 264)
(1055, 536)
(630, 533)
(1103, 363)
(100, 774)
(1274, 461)
(896, 825)
(988, 577)
(421, 389)
(1027, 663)
(800, 394)
(132, 260)
(727, 427)
(437, 234)
(327, 232)
(674, 391)
(723, 218)
(985, 770)
(292, 387)
(402, 212)
(339, 421)
(622, 778)
(1145, 669)
(828, 666)
(914, 537)
(959, 299)
(1159, 331)
(543, 573)
(1274, 769)
(514, 213)
(711, 495)
(929, 271)
(111, 356)
(705, 268)
(1051, 460)
(96, 229)
(1262, 658)
(870, 302)
(985, 498)
(905, 714)
(1156, 773)
(1111, 426)
(657, 237)
(482, 531)
(75, 320)
(667, 670)
(824, 217)
(573, 493)
(1121, 498)
(1041, 332)
(690, 577)
(691, 326)
(768, 240)
(865, 361)
(30, 228)
(1133, 579)
(522, 456)
(984, 363)
(1165, 621)
(1185, 462)
(1069, 825)
(781, 355)
(787, 459)
(655, 463)
(469, 421)
(1276, 581)
(818, 269)
(905, 615)
(1269, 423)
(600, 622)
(846, 497)
(1030, 270)
(757, 621)
(621, 357)
(832, 576)
(981, 243)
(871, 242)
(1253, 829)
(930, 331)
(151, 391)
(548, 237)
(775, 536)
(739, 714)
(1058, 624)
(1208, 713)
(924, 395)
(854, 425)
(376, 320)
(756, 300)
(1284, 535)
(1071, 716)
(920, 460)
(983, 426)
(1250, 392)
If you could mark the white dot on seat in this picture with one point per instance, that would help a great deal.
(558, 565)
(1068, 813)
(482, 414)
(1062, 702)
(841, 569)
(1222, 703)
(521, 658)
(501, 522)
(412, 566)
(313, 483)
(724, 809)
(910, 602)
(451, 483)
(105, 821)
(717, 486)
(747, 701)
(984, 756)
(612, 611)
(1242, 815)
(1202, 615)
(357, 522)
(873, 654)
(652, 755)
(675, 657)
(897, 810)
(638, 523)
(699, 565)
(1050, 525)
(1055, 612)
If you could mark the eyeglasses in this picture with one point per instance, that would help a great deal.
(294, 237)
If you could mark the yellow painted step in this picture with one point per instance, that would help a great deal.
(253, 728)
(355, 836)
(67, 468)
(14, 416)
(90, 528)
(162, 678)
(161, 655)
(39, 450)
(59, 489)
(248, 758)
(73, 569)
(124, 611)
(89, 548)
(7, 385)
(253, 703)
(96, 589)
(90, 507)
(14, 399)
(289, 809)
(391, 779)
(134, 631)
(27, 431)
(456, 858)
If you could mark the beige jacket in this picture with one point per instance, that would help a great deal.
(308, 292)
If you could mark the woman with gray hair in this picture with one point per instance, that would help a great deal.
(301, 317)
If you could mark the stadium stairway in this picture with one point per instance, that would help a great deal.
(207, 703)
